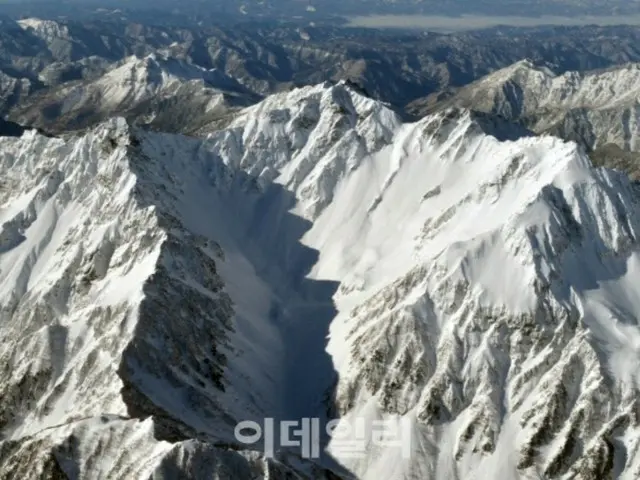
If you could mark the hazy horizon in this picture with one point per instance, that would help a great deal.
(474, 22)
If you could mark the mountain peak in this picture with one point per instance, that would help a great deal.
(331, 122)
(45, 29)
(524, 71)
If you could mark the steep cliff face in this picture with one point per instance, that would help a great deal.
(317, 258)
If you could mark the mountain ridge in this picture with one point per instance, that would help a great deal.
(138, 88)
(593, 108)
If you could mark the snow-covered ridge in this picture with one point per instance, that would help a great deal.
(593, 108)
(310, 138)
(138, 77)
(136, 88)
(546, 90)
(509, 280)
(47, 30)
(478, 282)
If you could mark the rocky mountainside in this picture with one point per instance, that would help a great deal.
(317, 258)
(12, 91)
(594, 109)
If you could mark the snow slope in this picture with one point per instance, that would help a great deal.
(318, 258)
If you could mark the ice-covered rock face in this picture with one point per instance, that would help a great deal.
(155, 290)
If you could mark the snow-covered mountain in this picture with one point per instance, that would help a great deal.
(46, 30)
(138, 88)
(593, 108)
(317, 258)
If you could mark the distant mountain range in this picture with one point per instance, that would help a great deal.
(599, 110)
(54, 73)
(162, 92)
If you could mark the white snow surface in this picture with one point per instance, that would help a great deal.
(318, 258)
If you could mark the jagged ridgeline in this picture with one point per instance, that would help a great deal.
(317, 257)
(596, 109)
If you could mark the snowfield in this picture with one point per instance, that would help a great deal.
(317, 258)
